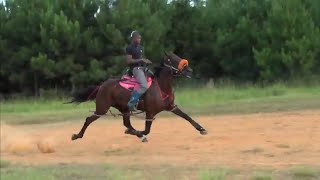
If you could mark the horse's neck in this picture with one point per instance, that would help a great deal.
(165, 83)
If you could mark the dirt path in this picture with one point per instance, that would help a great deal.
(268, 140)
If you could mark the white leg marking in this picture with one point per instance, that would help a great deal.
(143, 138)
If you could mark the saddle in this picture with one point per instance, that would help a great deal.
(130, 83)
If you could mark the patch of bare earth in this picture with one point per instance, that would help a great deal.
(275, 140)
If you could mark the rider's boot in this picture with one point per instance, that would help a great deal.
(133, 101)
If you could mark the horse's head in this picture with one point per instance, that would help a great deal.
(178, 66)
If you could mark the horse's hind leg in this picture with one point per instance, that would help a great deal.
(101, 108)
(127, 124)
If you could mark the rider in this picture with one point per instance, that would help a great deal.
(137, 64)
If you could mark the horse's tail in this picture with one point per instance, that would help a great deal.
(84, 95)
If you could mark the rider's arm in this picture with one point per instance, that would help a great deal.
(131, 61)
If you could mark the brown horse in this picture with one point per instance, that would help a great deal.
(159, 97)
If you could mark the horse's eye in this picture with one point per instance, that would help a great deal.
(168, 60)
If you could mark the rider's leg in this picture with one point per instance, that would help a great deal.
(141, 78)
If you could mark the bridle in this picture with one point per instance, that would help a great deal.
(173, 70)
(176, 71)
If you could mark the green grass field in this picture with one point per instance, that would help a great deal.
(207, 100)
(105, 171)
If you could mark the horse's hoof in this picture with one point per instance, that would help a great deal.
(130, 131)
(74, 137)
(203, 132)
(144, 139)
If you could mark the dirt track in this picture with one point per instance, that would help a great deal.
(259, 140)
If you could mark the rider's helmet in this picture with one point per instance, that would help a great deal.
(134, 34)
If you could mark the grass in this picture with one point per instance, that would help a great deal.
(106, 171)
(251, 99)
(70, 172)
(261, 175)
(4, 164)
(216, 174)
(27, 174)
(75, 172)
(303, 172)
(63, 172)
(206, 100)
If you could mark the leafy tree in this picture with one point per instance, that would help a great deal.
(289, 44)
(74, 43)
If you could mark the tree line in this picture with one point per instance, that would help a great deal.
(69, 44)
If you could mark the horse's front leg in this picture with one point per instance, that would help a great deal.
(142, 135)
(197, 126)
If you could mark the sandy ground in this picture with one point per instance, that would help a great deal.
(272, 140)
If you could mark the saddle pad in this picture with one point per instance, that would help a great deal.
(130, 83)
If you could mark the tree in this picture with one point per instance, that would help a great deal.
(288, 47)
(70, 44)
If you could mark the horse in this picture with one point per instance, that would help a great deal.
(159, 97)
